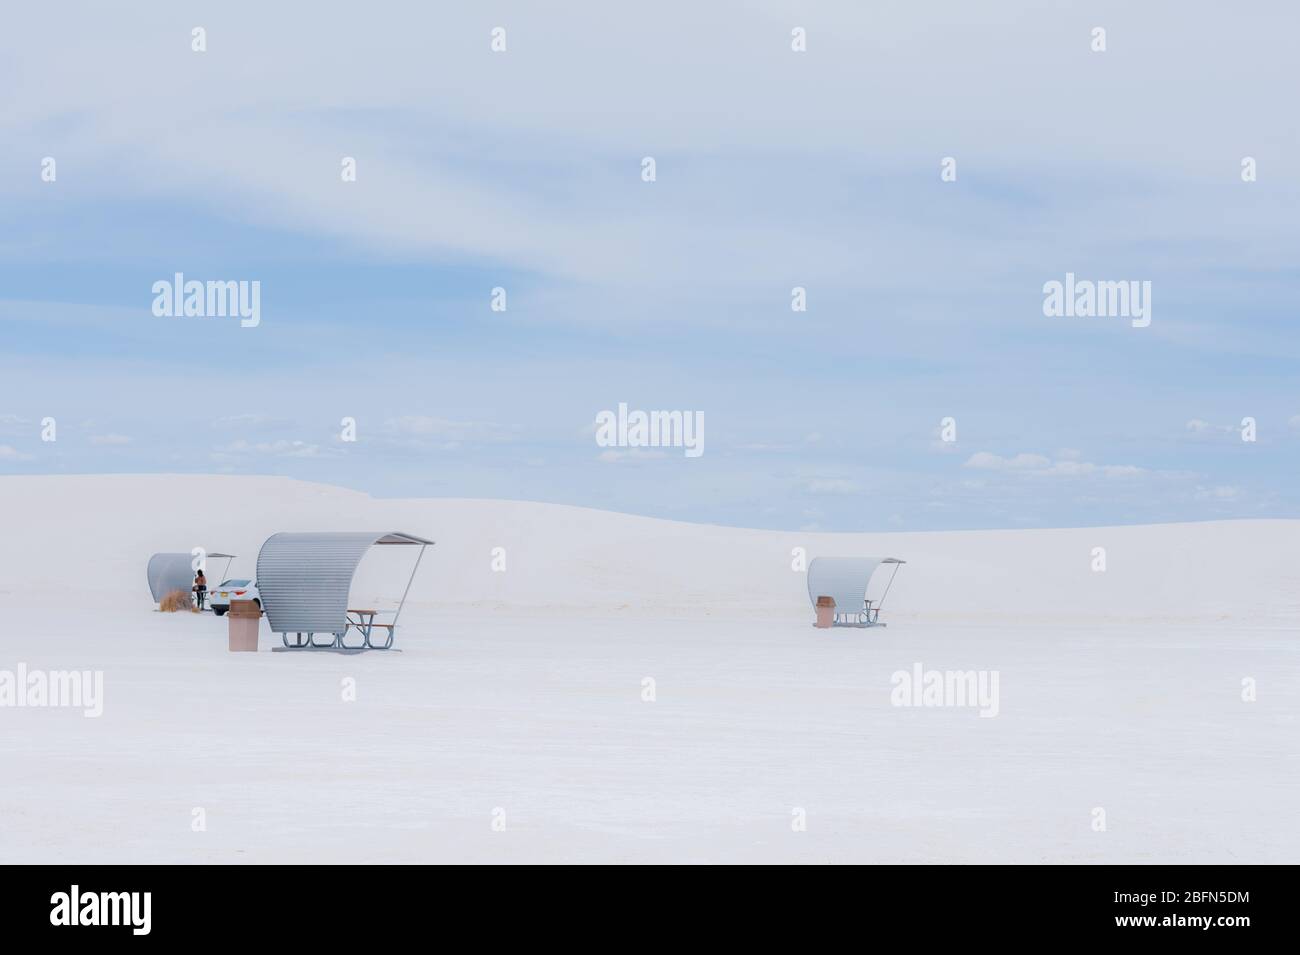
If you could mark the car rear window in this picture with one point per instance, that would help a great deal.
(235, 583)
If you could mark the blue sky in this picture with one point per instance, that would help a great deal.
(774, 169)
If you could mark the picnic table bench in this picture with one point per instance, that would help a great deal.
(360, 619)
(363, 621)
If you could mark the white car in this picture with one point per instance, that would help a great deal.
(236, 588)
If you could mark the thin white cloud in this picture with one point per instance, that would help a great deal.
(1199, 426)
(283, 448)
(832, 486)
(1223, 492)
(256, 421)
(1037, 464)
(431, 433)
(626, 455)
(987, 461)
(8, 453)
(13, 424)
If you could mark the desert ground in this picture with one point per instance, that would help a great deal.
(513, 725)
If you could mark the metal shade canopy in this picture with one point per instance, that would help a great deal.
(845, 579)
(226, 570)
(168, 572)
(304, 578)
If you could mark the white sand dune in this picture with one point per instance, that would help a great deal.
(522, 691)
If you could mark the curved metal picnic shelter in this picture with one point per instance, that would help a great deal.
(304, 580)
(845, 580)
(168, 572)
(174, 571)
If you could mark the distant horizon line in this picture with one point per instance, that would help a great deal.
(641, 516)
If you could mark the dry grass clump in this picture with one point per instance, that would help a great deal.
(176, 600)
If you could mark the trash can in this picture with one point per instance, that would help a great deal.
(245, 622)
(825, 612)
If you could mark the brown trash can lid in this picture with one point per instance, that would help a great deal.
(824, 601)
(244, 608)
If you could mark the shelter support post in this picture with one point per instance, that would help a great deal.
(881, 602)
(409, 581)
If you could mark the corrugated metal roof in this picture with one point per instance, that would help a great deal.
(396, 537)
(843, 578)
(168, 572)
(304, 578)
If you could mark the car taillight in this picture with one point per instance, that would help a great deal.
(240, 593)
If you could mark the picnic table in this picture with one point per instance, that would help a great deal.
(357, 618)
(363, 621)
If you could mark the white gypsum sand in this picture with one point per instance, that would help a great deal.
(522, 691)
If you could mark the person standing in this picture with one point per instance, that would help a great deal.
(200, 588)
